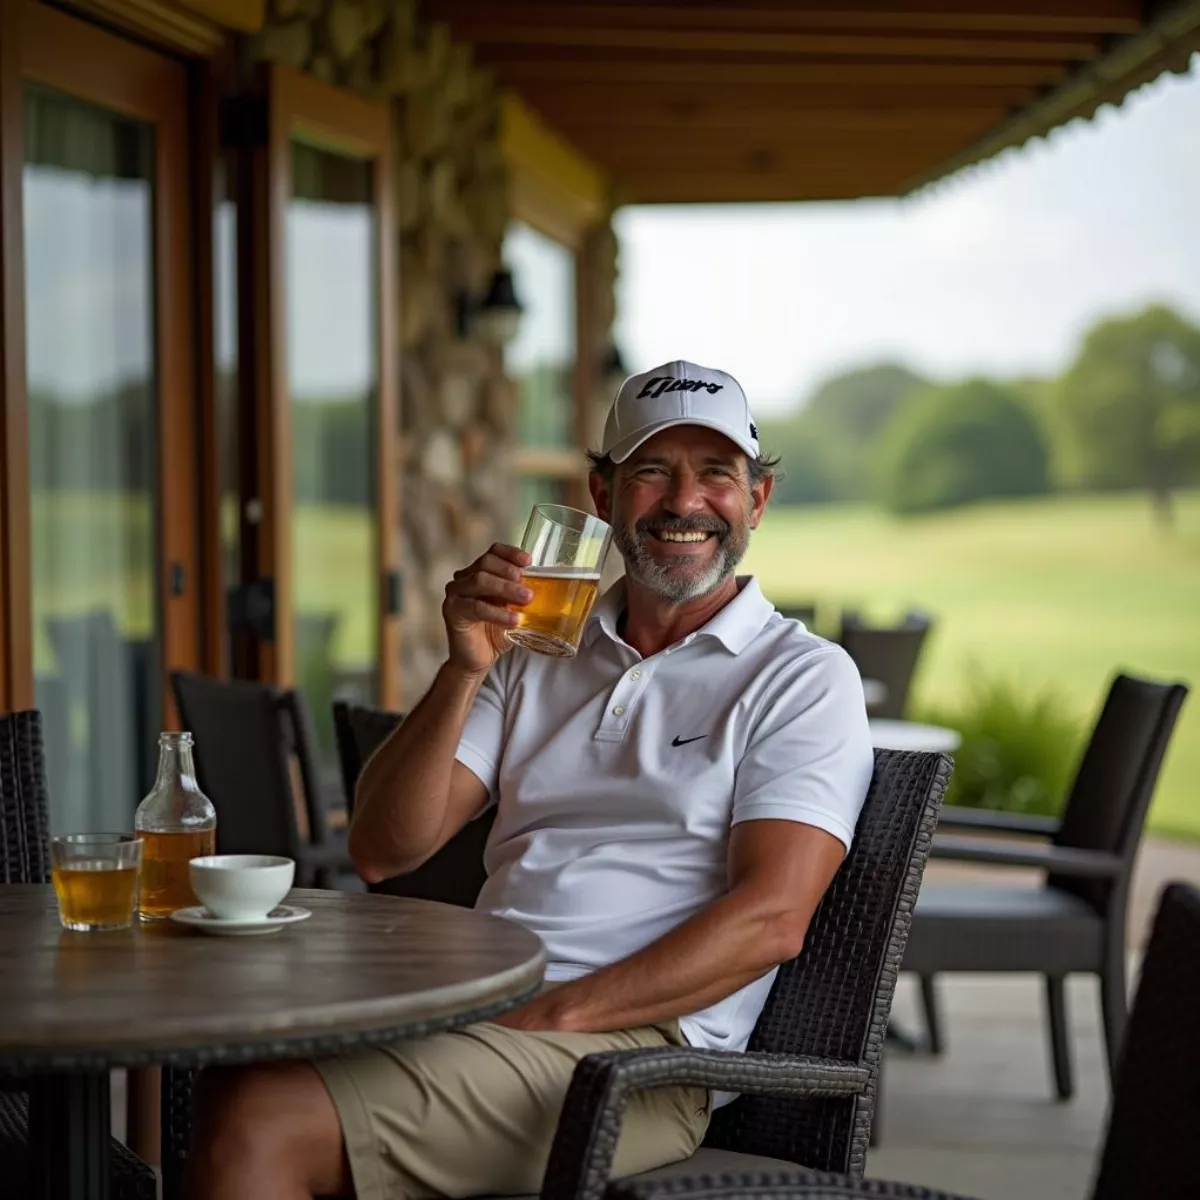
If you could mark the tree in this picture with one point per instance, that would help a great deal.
(859, 402)
(949, 446)
(804, 477)
(826, 445)
(1128, 408)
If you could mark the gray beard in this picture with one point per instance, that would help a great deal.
(679, 583)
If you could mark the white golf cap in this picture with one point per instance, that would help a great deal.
(677, 393)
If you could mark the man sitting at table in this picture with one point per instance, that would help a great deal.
(672, 804)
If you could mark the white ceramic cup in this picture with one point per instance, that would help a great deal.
(241, 887)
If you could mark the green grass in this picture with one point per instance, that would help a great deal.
(1060, 592)
(333, 560)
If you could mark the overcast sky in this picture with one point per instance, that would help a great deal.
(998, 269)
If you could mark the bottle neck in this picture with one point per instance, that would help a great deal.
(175, 763)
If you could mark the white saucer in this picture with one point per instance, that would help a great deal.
(198, 917)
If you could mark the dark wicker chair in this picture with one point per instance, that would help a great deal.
(1150, 1149)
(1076, 921)
(25, 858)
(808, 1077)
(814, 1056)
(455, 873)
(888, 654)
(769, 1185)
(359, 730)
(248, 736)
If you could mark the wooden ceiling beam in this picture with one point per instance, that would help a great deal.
(665, 118)
(961, 16)
(652, 140)
(560, 69)
(823, 45)
(691, 188)
(561, 101)
(632, 161)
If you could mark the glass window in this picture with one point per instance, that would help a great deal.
(333, 377)
(225, 393)
(89, 295)
(541, 359)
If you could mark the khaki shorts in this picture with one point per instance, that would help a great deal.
(473, 1112)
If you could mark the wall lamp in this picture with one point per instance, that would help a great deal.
(494, 316)
(613, 370)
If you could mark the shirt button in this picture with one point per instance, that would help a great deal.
(619, 711)
(635, 674)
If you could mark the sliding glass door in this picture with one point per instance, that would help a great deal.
(328, 540)
(107, 401)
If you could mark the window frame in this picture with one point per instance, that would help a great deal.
(42, 45)
(343, 122)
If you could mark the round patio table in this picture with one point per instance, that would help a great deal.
(888, 734)
(363, 970)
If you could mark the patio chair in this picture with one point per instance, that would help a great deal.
(25, 858)
(811, 1067)
(1150, 1151)
(807, 1080)
(455, 873)
(247, 737)
(1076, 920)
(888, 654)
(359, 730)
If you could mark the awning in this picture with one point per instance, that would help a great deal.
(713, 100)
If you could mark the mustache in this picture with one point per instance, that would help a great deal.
(682, 525)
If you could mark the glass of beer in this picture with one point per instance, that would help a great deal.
(568, 548)
(96, 879)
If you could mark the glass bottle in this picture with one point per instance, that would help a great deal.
(176, 822)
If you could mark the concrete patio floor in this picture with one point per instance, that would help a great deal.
(981, 1118)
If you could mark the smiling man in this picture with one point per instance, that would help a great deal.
(672, 804)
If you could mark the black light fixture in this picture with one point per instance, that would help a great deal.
(613, 370)
(494, 316)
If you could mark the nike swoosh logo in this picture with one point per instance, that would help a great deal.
(684, 741)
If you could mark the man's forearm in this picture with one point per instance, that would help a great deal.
(721, 949)
(401, 798)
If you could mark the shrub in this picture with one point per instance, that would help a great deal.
(1019, 748)
(948, 446)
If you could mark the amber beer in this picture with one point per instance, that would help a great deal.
(566, 548)
(553, 620)
(166, 885)
(95, 895)
(95, 878)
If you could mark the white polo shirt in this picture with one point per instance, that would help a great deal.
(618, 778)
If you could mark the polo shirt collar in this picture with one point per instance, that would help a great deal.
(735, 626)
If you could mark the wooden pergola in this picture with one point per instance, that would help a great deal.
(777, 100)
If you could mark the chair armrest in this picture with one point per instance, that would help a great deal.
(1061, 860)
(769, 1185)
(590, 1123)
(990, 820)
